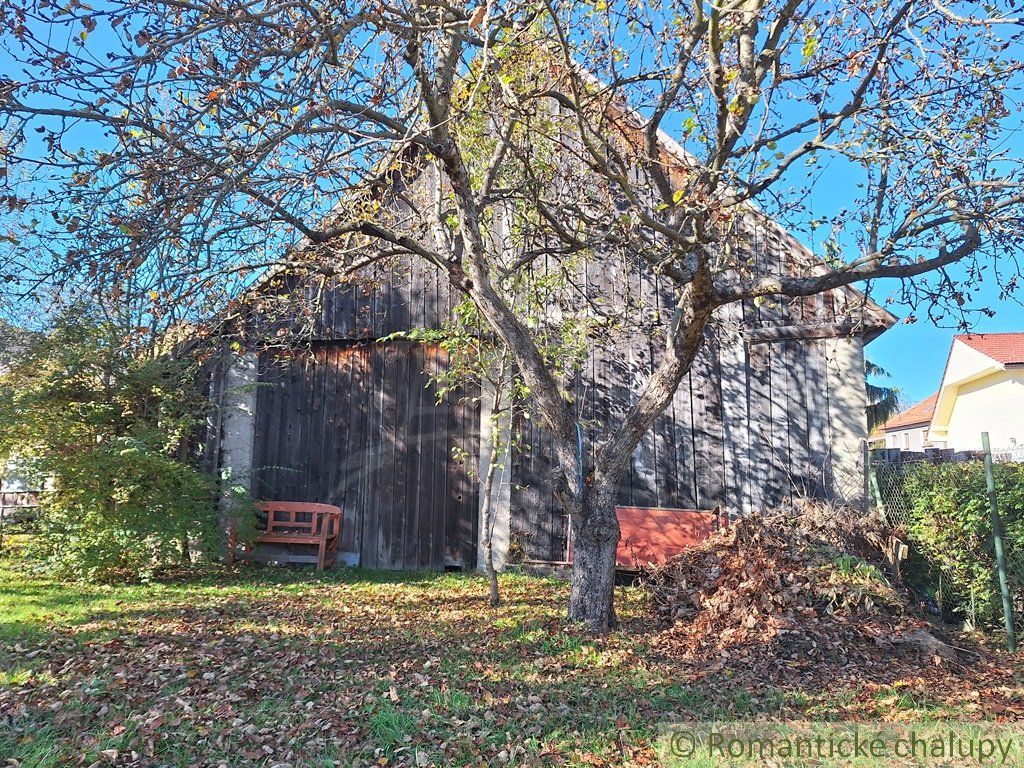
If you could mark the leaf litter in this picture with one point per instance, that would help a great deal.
(273, 668)
(798, 598)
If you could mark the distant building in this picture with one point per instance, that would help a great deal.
(982, 390)
(908, 430)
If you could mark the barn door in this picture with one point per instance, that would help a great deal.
(359, 425)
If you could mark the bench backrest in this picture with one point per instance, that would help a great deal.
(301, 517)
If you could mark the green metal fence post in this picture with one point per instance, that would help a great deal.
(875, 491)
(997, 540)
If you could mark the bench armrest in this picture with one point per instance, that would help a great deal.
(331, 526)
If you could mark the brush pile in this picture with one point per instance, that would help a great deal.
(789, 591)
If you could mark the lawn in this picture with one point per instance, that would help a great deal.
(284, 667)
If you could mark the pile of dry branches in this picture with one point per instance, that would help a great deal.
(789, 592)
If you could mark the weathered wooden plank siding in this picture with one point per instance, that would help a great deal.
(538, 524)
(708, 441)
(381, 299)
(358, 425)
(747, 429)
(353, 422)
(679, 463)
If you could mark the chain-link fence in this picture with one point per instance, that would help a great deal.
(938, 508)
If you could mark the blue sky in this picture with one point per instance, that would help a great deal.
(915, 354)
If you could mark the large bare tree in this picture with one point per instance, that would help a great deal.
(177, 149)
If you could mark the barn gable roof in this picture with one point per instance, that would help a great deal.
(860, 315)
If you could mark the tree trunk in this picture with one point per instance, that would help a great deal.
(494, 458)
(488, 541)
(595, 536)
(495, 596)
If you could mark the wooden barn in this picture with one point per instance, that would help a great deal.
(774, 406)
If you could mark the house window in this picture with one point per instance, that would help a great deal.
(906, 441)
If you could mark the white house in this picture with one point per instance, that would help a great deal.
(908, 430)
(982, 390)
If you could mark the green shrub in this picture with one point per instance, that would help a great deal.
(123, 511)
(107, 425)
(950, 527)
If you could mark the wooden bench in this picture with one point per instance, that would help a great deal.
(301, 523)
(651, 535)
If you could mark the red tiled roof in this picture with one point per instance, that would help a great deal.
(1005, 348)
(920, 413)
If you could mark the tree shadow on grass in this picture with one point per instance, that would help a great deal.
(421, 669)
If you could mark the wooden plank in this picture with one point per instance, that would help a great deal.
(403, 524)
(420, 287)
(818, 427)
(277, 478)
(470, 517)
(358, 460)
(664, 463)
(530, 514)
(325, 320)
(336, 393)
(389, 363)
(351, 449)
(716, 488)
(332, 450)
(705, 379)
(279, 460)
(315, 486)
(519, 506)
(455, 491)
(344, 321)
(461, 529)
(760, 435)
(813, 330)
(781, 484)
(289, 409)
(666, 455)
(413, 447)
(370, 477)
(363, 307)
(617, 372)
(667, 460)
(803, 481)
(682, 412)
(422, 478)
(701, 460)
(370, 489)
(436, 359)
(735, 416)
(301, 424)
(266, 410)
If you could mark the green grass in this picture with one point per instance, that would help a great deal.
(391, 727)
(266, 666)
